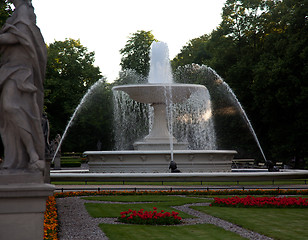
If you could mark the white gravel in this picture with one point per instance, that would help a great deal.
(76, 223)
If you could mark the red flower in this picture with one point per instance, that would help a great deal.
(250, 201)
(140, 217)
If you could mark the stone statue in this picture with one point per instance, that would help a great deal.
(46, 132)
(22, 71)
(56, 154)
(55, 144)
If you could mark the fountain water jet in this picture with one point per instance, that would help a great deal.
(154, 152)
(70, 122)
(246, 120)
(210, 77)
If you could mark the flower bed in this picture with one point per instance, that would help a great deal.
(249, 201)
(150, 217)
(185, 192)
(51, 217)
(51, 220)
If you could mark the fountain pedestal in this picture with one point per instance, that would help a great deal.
(159, 137)
(158, 95)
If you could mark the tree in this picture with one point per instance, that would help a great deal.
(136, 53)
(280, 86)
(94, 122)
(194, 52)
(260, 49)
(5, 11)
(69, 73)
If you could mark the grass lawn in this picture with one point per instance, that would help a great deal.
(141, 232)
(175, 200)
(113, 210)
(161, 202)
(284, 224)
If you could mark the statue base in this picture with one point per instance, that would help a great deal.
(23, 198)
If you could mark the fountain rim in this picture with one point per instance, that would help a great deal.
(158, 93)
(143, 85)
(146, 152)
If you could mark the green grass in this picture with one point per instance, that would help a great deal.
(283, 224)
(141, 232)
(161, 202)
(113, 210)
(175, 200)
(70, 161)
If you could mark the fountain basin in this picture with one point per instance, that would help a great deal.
(188, 161)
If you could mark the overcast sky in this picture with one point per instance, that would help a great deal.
(104, 26)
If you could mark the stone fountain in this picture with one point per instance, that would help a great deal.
(160, 149)
(156, 95)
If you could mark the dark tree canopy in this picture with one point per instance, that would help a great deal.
(194, 52)
(261, 50)
(5, 11)
(70, 72)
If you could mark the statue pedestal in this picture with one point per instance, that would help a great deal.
(57, 163)
(22, 205)
(47, 170)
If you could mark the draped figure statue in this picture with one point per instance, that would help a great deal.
(23, 56)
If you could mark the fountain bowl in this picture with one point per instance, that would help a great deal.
(157, 93)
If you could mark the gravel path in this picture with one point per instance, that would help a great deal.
(76, 223)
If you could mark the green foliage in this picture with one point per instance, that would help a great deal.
(228, 120)
(129, 76)
(5, 11)
(194, 52)
(93, 127)
(261, 50)
(69, 74)
(136, 52)
(280, 85)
